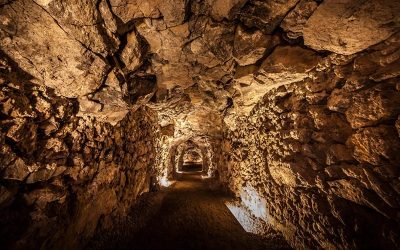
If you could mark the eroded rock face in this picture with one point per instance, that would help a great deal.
(87, 22)
(373, 106)
(128, 10)
(323, 147)
(249, 47)
(131, 56)
(287, 64)
(53, 161)
(295, 20)
(348, 27)
(376, 145)
(31, 36)
(265, 15)
(221, 9)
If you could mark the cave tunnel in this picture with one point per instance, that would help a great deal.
(192, 160)
(199, 124)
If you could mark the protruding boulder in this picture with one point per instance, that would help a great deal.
(347, 27)
(351, 189)
(372, 106)
(132, 54)
(221, 9)
(128, 10)
(24, 133)
(294, 22)
(265, 15)
(44, 174)
(291, 174)
(376, 145)
(106, 105)
(31, 37)
(88, 106)
(174, 11)
(17, 106)
(41, 197)
(287, 64)
(17, 170)
(250, 46)
(55, 151)
(83, 21)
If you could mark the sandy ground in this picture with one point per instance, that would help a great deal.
(187, 215)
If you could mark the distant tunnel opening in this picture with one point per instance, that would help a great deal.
(192, 161)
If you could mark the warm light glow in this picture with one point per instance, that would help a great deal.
(206, 176)
(248, 221)
(254, 202)
(163, 181)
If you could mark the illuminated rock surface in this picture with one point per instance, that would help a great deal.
(290, 107)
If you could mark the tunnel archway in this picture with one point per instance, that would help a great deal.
(192, 160)
(190, 156)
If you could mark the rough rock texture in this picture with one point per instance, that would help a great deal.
(249, 47)
(321, 155)
(292, 105)
(31, 36)
(295, 20)
(265, 15)
(357, 25)
(63, 176)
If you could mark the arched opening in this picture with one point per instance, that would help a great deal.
(190, 157)
(192, 160)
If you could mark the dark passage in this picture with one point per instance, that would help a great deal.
(189, 216)
(192, 168)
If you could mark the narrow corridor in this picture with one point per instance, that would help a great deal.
(190, 216)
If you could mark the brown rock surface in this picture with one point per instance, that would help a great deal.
(372, 106)
(265, 15)
(131, 55)
(84, 22)
(348, 27)
(128, 10)
(376, 145)
(41, 51)
(249, 47)
(221, 9)
(294, 21)
(102, 101)
(287, 64)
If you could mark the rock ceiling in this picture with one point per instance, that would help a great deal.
(198, 63)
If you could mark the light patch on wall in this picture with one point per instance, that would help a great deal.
(254, 202)
(248, 221)
(164, 182)
(43, 2)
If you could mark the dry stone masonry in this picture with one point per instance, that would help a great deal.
(292, 106)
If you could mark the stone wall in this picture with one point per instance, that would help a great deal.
(62, 176)
(318, 159)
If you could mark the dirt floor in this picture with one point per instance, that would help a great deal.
(188, 215)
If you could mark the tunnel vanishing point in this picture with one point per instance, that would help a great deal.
(200, 124)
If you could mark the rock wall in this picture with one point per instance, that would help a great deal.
(318, 159)
(62, 176)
